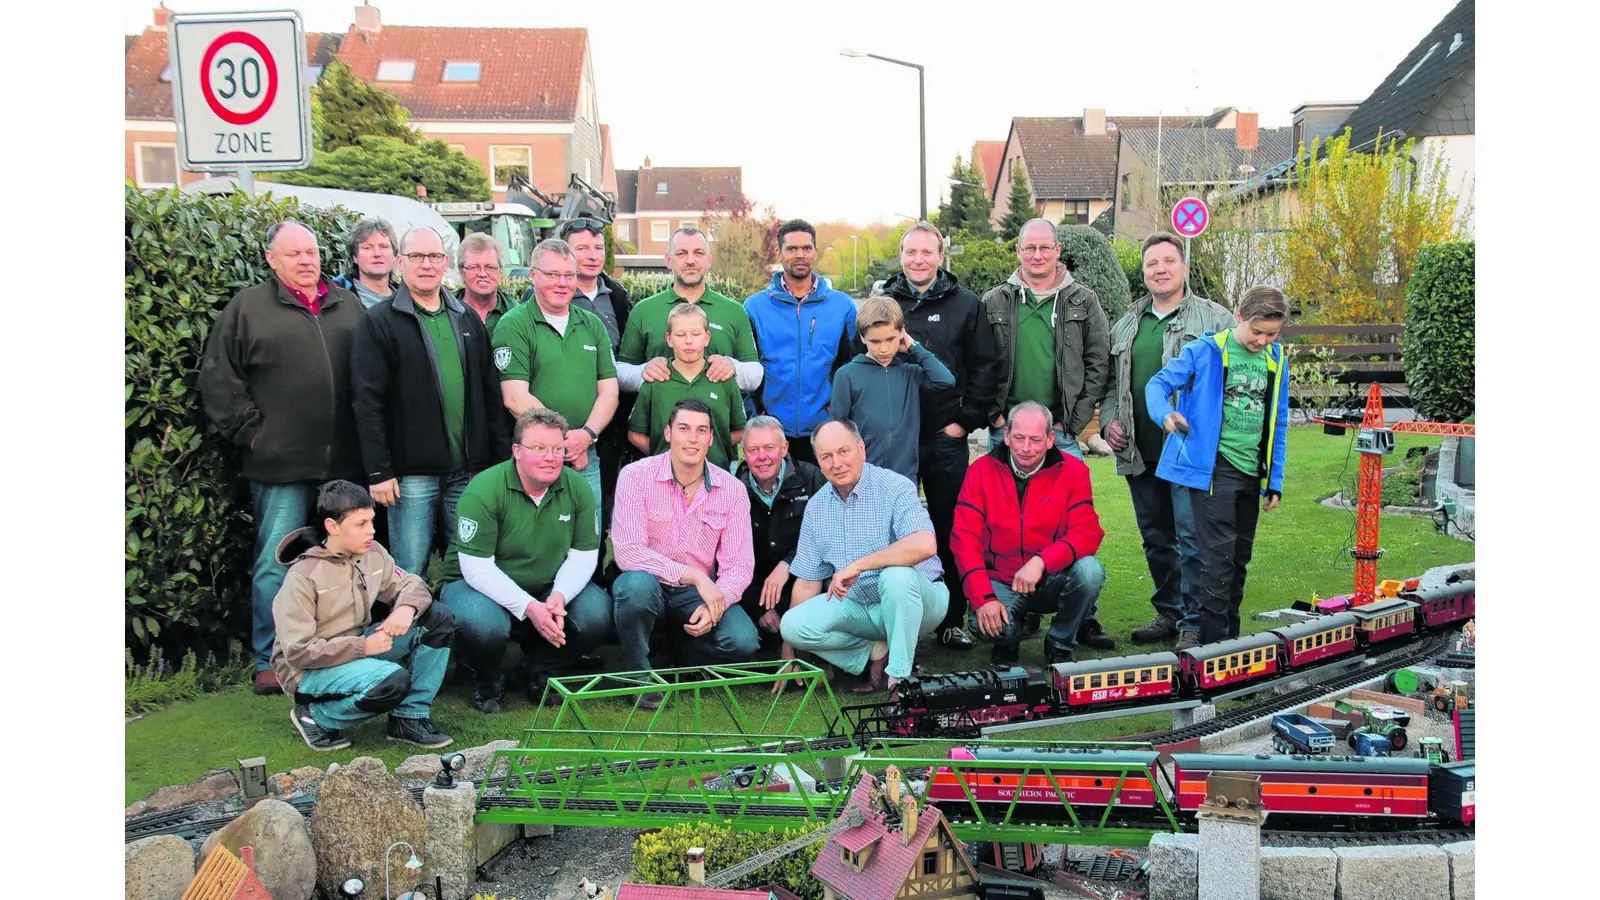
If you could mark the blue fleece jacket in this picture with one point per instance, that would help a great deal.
(800, 342)
(885, 402)
(1196, 375)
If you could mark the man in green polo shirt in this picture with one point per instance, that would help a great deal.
(526, 544)
(644, 355)
(558, 356)
(481, 261)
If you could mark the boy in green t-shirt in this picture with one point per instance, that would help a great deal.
(688, 335)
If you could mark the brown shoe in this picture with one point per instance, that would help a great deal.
(266, 683)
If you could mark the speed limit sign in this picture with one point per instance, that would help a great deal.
(238, 95)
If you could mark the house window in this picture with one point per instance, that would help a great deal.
(1076, 211)
(397, 69)
(661, 187)
(155, 165)
(930, 863)
(1127, 192)
(623, 232)
(660, 230)
(507, 161)
(461, 70)
(688, 223)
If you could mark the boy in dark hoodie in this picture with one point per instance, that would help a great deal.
(881, 389)
(340, 666)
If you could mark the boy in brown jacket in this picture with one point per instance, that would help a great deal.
(340, 666)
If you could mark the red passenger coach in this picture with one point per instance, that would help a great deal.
(1382, 787)
(1213, 666)
(1118, 679)
(1385, 620)
(1316, 639)
(1445, 604)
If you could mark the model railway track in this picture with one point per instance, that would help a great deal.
(1457, 661)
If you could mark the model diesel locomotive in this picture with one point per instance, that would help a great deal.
(961, 703)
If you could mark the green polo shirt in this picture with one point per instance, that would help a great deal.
(654, 407)
(505, 304)
(529, 542)
(563, 371)
(646, 335)
(1034, 377)
(1144, 360)
(452, 383)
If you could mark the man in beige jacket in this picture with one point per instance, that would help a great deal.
(340, 666)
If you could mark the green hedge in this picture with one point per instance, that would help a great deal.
(189, 532)
(638, 286)
(1091, 260)
(658, 857)
(1438, 346)
(983, 263)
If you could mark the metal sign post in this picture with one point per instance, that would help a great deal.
(1189, 219)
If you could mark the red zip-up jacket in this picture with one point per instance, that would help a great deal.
(994, 535)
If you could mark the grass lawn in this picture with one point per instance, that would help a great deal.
(1299, 550)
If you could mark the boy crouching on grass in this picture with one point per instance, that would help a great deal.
(1226, 442)
(688, 336)
(340, 666)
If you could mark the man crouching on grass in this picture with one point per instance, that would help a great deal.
(340, 666)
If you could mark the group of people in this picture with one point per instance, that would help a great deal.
(755, 465)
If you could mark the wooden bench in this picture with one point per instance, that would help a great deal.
(1367, 353)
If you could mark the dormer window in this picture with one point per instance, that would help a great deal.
(462, 70)
(661, 187)
(397, 70)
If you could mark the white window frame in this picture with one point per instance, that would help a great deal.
(494, 147)
(660, 230)
(378, 74)
(138, 164)
(623, 231)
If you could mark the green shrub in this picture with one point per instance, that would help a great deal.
(1091, 260)
(189, 535)
(1132, 263)
(983, 263)
(152, 686)
(658, 857)
(1438, 346)
(638, 286)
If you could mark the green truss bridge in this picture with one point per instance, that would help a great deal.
(724, 749)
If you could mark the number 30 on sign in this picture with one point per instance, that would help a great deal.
(238, 92)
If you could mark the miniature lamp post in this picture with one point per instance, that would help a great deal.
(412, 863)
(449, 765)
(352, 887)
(254, 781)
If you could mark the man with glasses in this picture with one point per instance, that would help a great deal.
(1053, 349)
(553, 355)
(524, 549)
(482, 263)
(372, 260)
(604, 296)
(275, 382)
(426, 399)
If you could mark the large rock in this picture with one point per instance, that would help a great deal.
(1463, 869)
(1175, 867)
(214, 785)
(361, 811)
(422, 767)
(451, 851)
(306, 776)
(157, 868)
(1298, 873)
(478, 761)
(285, 862)
(1383, 873)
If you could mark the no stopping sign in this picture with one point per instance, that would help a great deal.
(238, 93)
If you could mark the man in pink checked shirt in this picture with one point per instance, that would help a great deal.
(680, 532)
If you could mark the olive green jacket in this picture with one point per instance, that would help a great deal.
(1081, 347)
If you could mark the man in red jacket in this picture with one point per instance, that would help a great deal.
(1025, 536)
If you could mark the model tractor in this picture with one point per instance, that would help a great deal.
(1448, 697)
(1369, 744)
(1382, 721)
(1432, 750)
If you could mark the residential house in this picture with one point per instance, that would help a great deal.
(901, 850)
(1199, 162)
(653, 202)
(150, 135)
(986, 158)
(1071, 162)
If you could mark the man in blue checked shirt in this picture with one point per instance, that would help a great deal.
(870, 534)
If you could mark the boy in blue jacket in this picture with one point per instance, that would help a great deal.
(1225, 442)
(881, 389)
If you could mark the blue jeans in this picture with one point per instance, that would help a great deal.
(1067, 444)
(485, 628)
(415, 514)
(401, 682)
(279, 509)
(843, 631)
(1068, 594)
(640, 601)
(1166, 525)
(591, 474)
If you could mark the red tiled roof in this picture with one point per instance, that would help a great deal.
(780, 892)
(527, 74)
(1063, 162)
(891, 861)
(856, 839)
(148, 97)
(688, 188)
(672, 892)
(989, 155)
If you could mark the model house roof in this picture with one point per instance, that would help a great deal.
(691, 892)
(892, 857)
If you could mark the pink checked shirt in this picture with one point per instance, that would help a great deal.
(652, 531)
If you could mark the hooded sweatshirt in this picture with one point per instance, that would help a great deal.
(326, 600)
(1081, 348)
(885, 402)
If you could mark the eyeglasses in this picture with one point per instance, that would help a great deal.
(541, 451)
(557, 277)
(1032, 250)
(418, 259)
(594, 225)
(480, 270)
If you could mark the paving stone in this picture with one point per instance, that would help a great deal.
(1175, 867)
(1229, 863)
(1383, 873)
(1184, 718)
(1298, 873)
(1463, 869)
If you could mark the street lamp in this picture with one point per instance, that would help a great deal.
(855, 277)
(922, 119)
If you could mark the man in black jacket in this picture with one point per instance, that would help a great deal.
(602, 295)
(275, 381)
(426, 399)
(949, 320)
(779, 486)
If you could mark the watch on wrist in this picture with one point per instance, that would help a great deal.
(593, 437)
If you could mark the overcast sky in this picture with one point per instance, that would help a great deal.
(825, 137)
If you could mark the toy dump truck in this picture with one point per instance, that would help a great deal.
(1295, 733)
